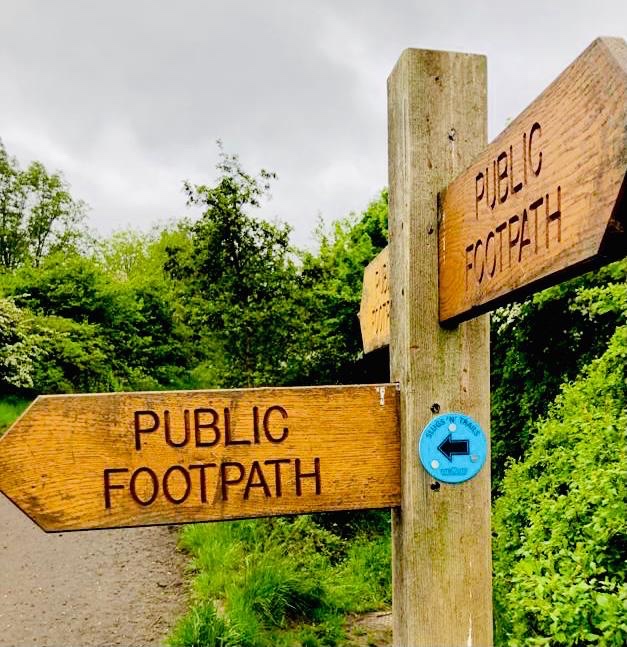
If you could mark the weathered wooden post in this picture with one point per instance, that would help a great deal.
(441, 533)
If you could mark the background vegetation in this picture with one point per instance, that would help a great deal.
(222, 299)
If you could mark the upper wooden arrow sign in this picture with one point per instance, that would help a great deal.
(134, 459)
(546, 199)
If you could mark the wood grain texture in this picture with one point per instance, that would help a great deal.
(102, 461)
(441, 535)
(545, 200)
(374, 312)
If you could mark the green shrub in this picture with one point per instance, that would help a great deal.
(543, 342)
(560, 528)
(20, 347)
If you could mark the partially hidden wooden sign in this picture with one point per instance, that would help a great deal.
(546, 199)
(374, 312)
(75, 462)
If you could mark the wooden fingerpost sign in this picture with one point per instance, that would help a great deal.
(374, 312)
(75, 462)
(441, 533)
(546, 199)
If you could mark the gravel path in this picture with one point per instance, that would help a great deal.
(84, 589)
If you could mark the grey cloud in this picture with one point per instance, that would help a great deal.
(128, 97)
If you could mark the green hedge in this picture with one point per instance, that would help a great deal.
(560, 528)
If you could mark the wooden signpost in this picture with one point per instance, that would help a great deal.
(442, 593)
(571, 155)
(470, 228)
(134, 459)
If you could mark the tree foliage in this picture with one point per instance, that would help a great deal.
(37, 213)
(238, 281)
(102, 333)
(331, 283)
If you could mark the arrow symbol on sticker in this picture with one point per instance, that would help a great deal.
(449, 447)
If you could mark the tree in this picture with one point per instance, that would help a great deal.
(13, 245)
(330, 293)
(238, 281)
(139, 258)
(52, 215)
(37, 213)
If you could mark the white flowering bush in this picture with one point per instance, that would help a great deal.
(20, 346)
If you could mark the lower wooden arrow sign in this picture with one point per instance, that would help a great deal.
(76, 462)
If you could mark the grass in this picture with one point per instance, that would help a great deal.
(10, 409)
(280, 582)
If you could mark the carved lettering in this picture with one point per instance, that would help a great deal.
(501, 179)
(479, 194)
(167, 492)
(502, 164)
(144, 430)
(266, 424)
(108, 486)
(151, 486)
(177, 485)
(224, 476)
(536, 128)
(209, 429)
(256, 474)
(555, 216)
(518, 236)
(381, 312)
(228, 438)
(199, 426)
(301, 475)
(201, 467)
(168, 429)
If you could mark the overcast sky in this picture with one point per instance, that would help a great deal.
(127, 98)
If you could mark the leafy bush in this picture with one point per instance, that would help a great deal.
(129, 328)
(560, 528)
(543, 342)
(76, 358)
(20, 347)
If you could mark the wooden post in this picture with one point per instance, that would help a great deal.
(441, 533)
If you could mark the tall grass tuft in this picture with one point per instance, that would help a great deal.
(279, 582)
(11, 407)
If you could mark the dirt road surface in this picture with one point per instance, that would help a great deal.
(86, 589)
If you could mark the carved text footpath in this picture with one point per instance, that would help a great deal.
(518, 236)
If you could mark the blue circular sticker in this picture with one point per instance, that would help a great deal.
(452, 448)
